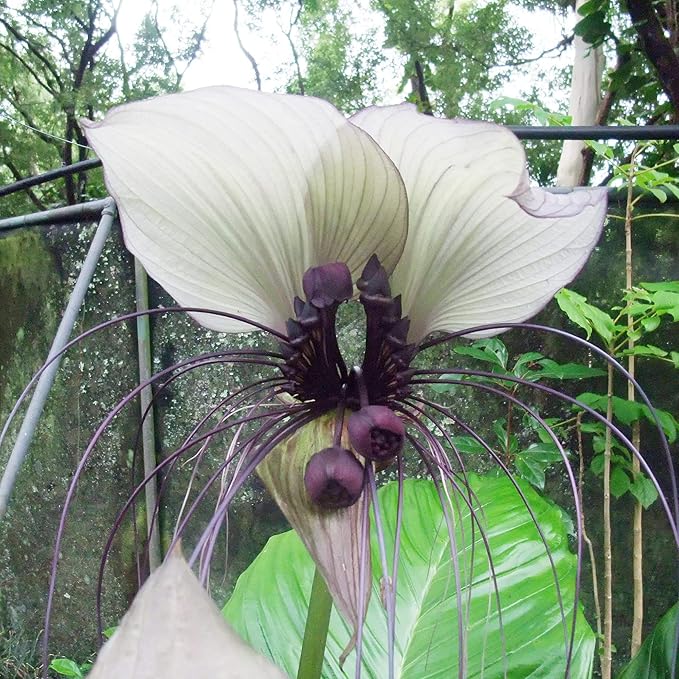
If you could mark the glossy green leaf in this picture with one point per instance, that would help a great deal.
(506, 442)
(623, 410)
(589, 7)
(468, 445)
(597, 464)
(658, 193)
(644, 491)
(586, 315)
(552, 370)
(268, 606)
(620, 482)
(442, 388)
(667, 286)
(546, 452)
(531, 470)
(489, 350)
(654, 659)
(646, 350)
(650, 324)
(525, 363)
(66, 667)
(667, 303)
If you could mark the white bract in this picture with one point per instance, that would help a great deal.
(228, 196)
(173, 630)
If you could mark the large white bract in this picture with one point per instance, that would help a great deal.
(228, 196)
(173, 630)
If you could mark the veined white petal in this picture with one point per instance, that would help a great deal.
(227, 196)
(483, 246)
(557, 202)
(174, 630)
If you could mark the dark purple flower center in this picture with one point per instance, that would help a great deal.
(314, 364)
(317, 375)
(376, 433)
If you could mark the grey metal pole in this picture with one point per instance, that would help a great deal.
(148, 428)
(92, 208)
(42, 388)
(63, 171)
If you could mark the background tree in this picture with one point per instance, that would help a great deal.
(62, 61)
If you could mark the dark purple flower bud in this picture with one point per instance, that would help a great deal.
(328, 284)
(334, 478)
(376, 433)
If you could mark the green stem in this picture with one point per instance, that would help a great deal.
(668, 215)
(316, 630)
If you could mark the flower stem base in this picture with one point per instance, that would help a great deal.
(316, 630)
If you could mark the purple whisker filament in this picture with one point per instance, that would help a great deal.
(385, 420)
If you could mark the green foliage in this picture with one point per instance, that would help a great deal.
(532, 452)
(341, 60)
(65, 667)
(627, 412)
(648, 305)
(540, 114)
(586, 315)
(595, 26)
(17, 653)
(268, 606)
(58, 58)
(633, 79)
(654, 659)
(464, 53)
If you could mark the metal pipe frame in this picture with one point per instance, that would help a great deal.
(533, 132)
(46, 380)
(107, 209)
(70, 213)
(57, 173)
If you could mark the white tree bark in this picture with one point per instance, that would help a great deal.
(588, 65)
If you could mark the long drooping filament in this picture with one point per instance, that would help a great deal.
(310, 367)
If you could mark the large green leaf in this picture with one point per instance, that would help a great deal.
(654, 659)
(268, 606)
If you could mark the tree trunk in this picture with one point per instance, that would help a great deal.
(588, 65)
(658, 47)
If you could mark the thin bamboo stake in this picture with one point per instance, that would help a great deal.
(608, 556)
(583, 531)
(148, 428)
(637, 525)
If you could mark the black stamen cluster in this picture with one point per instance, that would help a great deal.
(387, 352)
(314, 365)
